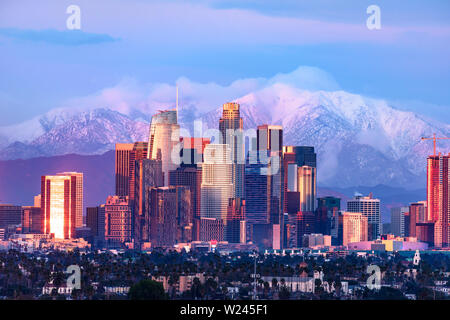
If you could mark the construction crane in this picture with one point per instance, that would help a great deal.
(434, 138)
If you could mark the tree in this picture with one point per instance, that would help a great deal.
(147, 290)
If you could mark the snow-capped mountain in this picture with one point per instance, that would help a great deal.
(64, 131)
(359, 141)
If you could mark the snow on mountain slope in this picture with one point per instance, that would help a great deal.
(85, 132)
(359, 141)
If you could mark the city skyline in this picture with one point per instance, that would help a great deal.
(212, 150)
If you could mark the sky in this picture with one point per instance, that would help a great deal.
(137, 46)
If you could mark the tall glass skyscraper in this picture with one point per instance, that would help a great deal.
(163, 137)
(217, 184)
(231, 128)
(62, 203)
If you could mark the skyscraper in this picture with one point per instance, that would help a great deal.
(269, 137)
(79, 190)
(164, 136)
(148, 175)
(398, 226)
(327, 218)
(355, 226)
(95, 220)
(438, 198)
(270, 144)
(306, 179)
(300, 175)
(236, 224)
(370, 208)
(190, 176)
(61, 203)
(170, 221)
(217, 186)
(231, 128)
(118, 218)
(126, 155)
(300, 222)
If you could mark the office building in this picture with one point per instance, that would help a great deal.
(10, 215)
(126, 156)
(438, 200)
(190, 176)
(231, 128)
(78, 188)
(32, 220)
(164, 136)
(148, 175)
(236, 224)
(95, 220)
(327, 216)
(300, 175)
(398, 221)
(170, 220)
(370, 208)
(355, 227)
(118, 218)
(61, 202)
(217, 185)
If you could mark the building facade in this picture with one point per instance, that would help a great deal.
(438, 200)
(61, 202)
(370, 208)
(355, 227)
(118, 218)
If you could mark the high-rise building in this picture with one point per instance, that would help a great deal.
(300, 222)
(270, 144)
(257, 200)
(163, 139)
(370, 208)
(32, 220)
(118, 218)
(61, 202)
(217, 185)
(78, 178)
(327, 216)
(190, 176)
(307, 188)
(10, 215)
(148, 175)
(126, 156)
(355, 226)
(398, 221)
(231, 128)
(170, 220)
(416, 211)
(236, 224)
(300, 174)
(438, 198)
(95, 220)
(192, 150)
(270, 137)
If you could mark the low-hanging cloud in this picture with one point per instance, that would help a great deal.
(130, 95)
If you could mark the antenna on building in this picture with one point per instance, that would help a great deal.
(176, 106)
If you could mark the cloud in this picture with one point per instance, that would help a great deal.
(130, 95)
(51, 36)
